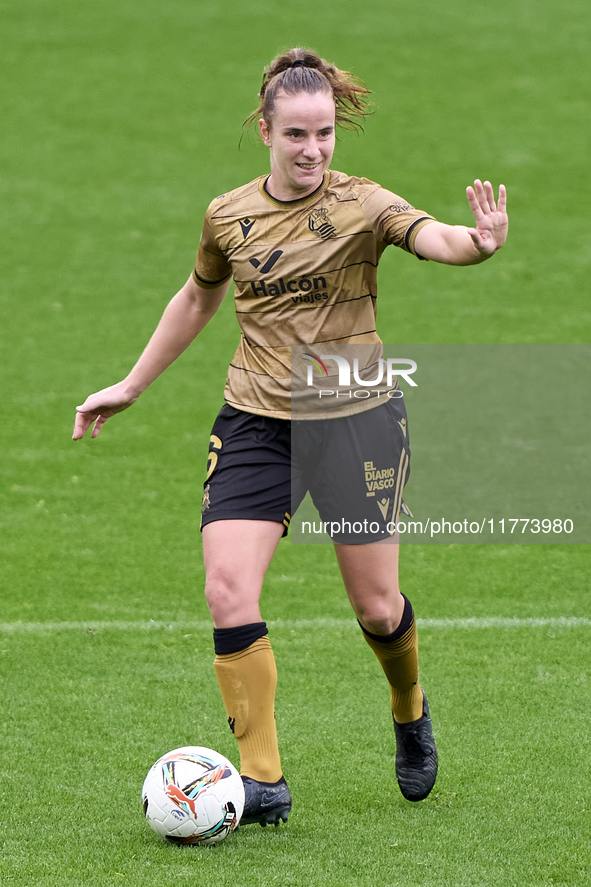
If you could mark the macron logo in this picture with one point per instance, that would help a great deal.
(246, 225)
(268, 264)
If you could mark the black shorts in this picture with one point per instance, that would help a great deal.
(355, 468)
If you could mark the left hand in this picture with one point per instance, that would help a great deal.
(491, 218)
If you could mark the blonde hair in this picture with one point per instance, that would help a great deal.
(301, 70)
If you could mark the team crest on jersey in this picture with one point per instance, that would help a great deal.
(320, 224)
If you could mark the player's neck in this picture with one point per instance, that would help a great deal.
(285, 193)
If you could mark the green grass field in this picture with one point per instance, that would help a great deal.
(121, 122)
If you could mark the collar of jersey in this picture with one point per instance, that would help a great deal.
(301, 201)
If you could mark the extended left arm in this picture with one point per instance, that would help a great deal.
(458, 245)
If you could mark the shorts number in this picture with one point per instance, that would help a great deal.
(212, 459)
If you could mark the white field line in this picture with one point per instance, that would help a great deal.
(474, 623)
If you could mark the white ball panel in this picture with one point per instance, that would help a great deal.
(187, 794)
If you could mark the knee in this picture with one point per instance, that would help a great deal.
(231, 599)
(221, 589)
(381, 617)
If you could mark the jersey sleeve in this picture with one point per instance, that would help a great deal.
(211, 265)
(394, 221)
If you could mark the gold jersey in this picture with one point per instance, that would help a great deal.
(305, 272)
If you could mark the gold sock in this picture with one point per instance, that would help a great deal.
(400, 661)
(248, 680)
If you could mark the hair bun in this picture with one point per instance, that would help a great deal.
(316, 75)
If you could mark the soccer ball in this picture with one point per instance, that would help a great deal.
(193, 795)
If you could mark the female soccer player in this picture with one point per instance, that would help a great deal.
(302, 246)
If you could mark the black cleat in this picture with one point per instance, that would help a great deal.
(266, 802)
(416, 756)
